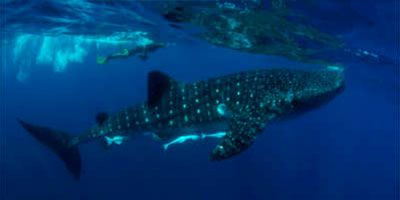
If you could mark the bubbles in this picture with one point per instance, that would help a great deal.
(23, 56)
(59, 52)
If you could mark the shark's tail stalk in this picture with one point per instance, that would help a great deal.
(60, 143)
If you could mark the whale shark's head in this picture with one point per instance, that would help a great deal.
(319, 87)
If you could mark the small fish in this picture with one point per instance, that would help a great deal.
(118, 140)
(181, 139)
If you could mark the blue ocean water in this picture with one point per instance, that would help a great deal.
(347, 149)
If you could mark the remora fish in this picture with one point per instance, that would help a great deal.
(240, 104)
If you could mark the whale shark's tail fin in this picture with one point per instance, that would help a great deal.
(60, 143)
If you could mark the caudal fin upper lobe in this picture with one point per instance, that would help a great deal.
(59, 143)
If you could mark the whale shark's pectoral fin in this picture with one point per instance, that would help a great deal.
(241, 134)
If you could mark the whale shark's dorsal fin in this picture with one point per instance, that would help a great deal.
(158, 83)
(101, 118)
(243, 130)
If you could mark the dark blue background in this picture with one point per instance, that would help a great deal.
(344, 150)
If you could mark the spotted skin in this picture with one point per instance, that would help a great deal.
(253, 98)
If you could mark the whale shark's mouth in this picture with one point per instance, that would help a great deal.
(339, 84)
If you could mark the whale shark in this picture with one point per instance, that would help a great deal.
(240, 104)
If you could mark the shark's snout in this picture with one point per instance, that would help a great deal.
(320, 87)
